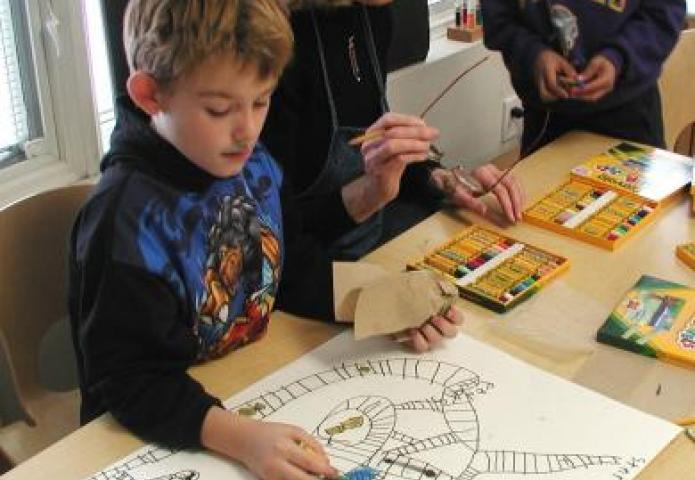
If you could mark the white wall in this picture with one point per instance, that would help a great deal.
(470, 115)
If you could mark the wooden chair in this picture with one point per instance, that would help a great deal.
(34, 237)
(677, 92)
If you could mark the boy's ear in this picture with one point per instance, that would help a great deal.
(144, 91)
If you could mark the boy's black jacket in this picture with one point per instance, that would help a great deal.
(136, 325)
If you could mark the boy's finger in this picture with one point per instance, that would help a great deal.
(291, 471)
(310, 455)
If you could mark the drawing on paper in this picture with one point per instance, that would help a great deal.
(370, 429)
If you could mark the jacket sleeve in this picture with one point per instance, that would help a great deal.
(136, 349)
(504, 32)
(416, 184)
(306, 284)
(646, 39)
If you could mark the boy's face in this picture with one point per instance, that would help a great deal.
(215, 113)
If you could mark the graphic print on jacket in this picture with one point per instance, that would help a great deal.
(226, 243)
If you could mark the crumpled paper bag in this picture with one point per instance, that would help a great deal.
(380, 303)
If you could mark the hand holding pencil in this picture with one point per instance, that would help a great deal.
(396, 137)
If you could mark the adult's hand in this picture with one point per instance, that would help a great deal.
(435, 331)
(508, 192)
(404, 139)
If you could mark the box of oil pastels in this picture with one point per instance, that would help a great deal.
(612, 195)
(491, 269)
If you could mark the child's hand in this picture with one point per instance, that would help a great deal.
(599, 76)
(276, 451)
(435, 330)
(550, 65)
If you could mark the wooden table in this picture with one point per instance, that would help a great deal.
(595, 283)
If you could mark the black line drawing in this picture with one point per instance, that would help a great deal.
(373, 431)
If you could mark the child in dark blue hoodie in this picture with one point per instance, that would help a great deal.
(586, 64)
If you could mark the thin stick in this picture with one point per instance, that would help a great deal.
(438, 154)
(451, 85)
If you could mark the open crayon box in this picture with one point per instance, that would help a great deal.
(613, 194)
(490, 269)
(594, 214)
(686, 253)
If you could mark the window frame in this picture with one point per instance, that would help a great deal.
(69, 147)
(441, 16)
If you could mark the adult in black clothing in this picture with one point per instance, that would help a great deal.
(334, 90)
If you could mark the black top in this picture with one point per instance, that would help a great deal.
(298, 129)
(169, 266)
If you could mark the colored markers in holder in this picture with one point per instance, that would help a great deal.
(468, 21)
(490, 269)
(597, 215)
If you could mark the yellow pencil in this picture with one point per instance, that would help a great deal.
(685, 421)
(365, 137)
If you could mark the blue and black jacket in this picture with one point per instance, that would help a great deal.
(170, 266)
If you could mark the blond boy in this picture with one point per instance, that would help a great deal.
(176, 256)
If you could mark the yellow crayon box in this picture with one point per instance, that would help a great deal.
(686, 253)
(491, 269)
(611, 196)
(655, 318)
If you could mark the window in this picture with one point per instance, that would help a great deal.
(19, 116)
(441, 15)
(439, 6)
(48, 115)
(101, 74)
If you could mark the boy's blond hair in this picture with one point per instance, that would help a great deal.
(168, 38)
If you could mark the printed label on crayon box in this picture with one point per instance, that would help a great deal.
(686, 337)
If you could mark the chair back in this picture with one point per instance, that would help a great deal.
(677, 92)
(34, 235)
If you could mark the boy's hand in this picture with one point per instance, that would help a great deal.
(549, 66)
(599, 77)
(435, 330)
(276, 451)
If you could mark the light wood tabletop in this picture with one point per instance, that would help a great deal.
(557, 334)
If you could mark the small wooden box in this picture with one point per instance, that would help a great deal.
(464, 34)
